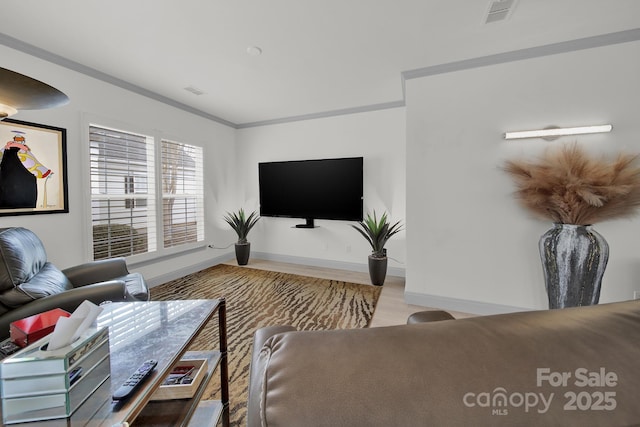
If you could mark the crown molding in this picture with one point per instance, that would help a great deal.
(528, 53)
(330, 113)
(483, 61)
(107, 78)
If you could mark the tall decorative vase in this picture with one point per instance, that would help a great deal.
(574, 258)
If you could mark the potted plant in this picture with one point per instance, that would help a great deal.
(574, 191)
(242, 224)
(377, 233)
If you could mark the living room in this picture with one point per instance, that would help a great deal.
(431, 134)
(431, 159)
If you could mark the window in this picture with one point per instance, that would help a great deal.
(182, 194)
(124, 200)
(122, 193)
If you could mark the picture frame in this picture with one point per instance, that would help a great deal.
(33, 168)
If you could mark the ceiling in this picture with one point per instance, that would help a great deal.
(318, 57)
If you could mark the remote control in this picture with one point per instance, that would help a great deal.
(75, 375)
(131, 384)
(7, 348)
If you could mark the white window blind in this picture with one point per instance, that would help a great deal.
(182, 193)
(123, 208)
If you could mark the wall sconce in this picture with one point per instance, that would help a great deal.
(554, 132)
(20, 92)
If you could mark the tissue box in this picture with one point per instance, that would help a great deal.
(41, 385)
(31, 329)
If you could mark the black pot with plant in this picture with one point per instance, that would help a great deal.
(242, 224)
(377, 233)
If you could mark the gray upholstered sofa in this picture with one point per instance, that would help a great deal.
(570, 367)
(29, 284)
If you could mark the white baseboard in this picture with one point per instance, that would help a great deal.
(324, 263)
(176, 274)
(454, 304)
(445, 303)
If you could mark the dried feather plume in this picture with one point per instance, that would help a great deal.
(568, 186)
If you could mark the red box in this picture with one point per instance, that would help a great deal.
(30, 329)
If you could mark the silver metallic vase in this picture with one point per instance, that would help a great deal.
(574, 258)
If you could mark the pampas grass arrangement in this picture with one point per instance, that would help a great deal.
(569, 186)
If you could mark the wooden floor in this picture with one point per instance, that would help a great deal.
(391, 308)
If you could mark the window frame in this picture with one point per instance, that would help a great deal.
(200, 228)
(158, 136)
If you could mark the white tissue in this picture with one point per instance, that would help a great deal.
(69, 329)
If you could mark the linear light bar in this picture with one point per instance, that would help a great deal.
(553, 133)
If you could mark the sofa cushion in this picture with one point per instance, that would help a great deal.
(22, 255)
(48, 281)
(517, 369)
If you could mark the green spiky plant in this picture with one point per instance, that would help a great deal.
(377, 232)
(241, 223)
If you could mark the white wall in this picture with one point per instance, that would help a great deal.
(469, 246)
(66, 236)
(230, 173)
(377, 136)
(469, 240)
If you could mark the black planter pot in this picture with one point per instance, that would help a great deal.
(242, 253)
(377, 270)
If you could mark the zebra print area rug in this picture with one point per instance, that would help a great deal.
(257, 298)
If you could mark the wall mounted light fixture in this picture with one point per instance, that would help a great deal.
(20, 92)
(553, 132)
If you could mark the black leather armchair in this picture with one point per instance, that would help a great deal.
(29, 284)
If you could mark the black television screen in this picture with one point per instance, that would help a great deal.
(312, 189)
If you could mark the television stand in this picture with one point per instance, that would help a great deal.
(308, 224)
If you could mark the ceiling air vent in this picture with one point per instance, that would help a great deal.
(499, 10)
(194, 90)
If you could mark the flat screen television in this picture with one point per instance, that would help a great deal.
(312, 189)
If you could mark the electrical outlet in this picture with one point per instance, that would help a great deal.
(636, 295)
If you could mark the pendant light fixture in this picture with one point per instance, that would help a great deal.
(20, 92)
